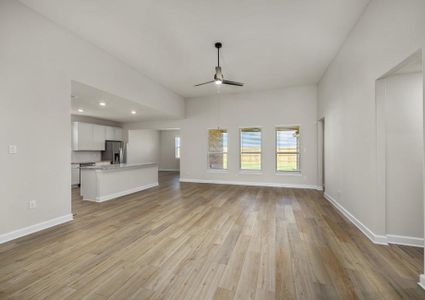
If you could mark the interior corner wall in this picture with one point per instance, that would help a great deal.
(387, 33)
(167, 156)
(38, 60)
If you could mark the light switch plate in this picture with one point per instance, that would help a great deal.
(12, 149)
(32, 204)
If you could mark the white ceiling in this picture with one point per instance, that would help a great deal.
(266, 44)
(117, 109)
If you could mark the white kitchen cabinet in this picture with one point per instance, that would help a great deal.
(82, 134)
(99, 137)
(117, 134)
(110, 133)
(92, 137)
(113, 133)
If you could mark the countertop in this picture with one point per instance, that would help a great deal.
(89, 162)
(119, 166)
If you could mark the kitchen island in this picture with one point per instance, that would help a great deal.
(106, 182)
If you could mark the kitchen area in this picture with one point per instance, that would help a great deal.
(100, 170)
(94, 145)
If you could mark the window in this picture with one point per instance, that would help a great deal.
(177, 147)
(217, 149)
(287, 149)
(250, 143)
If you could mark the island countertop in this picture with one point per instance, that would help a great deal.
(119, 166)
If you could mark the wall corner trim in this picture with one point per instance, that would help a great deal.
(376, 238)
(5, 237)
(422, 281)
(252, 183)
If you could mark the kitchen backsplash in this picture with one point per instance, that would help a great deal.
(85, 156)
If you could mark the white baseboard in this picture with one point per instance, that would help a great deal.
(376, 238)
(5, 237)
(168, 170)
(405, 240)
(124, 193)
(248, 183)
(422, 281)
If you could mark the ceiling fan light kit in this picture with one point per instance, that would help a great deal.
(218, 76)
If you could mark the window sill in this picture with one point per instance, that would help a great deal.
(216, 171)
(251, 172)
(295, 173)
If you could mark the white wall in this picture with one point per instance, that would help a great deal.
(143, 146)
(167, 155)
(388, 32)
(403, 110)
(38, 61)
(290, 106)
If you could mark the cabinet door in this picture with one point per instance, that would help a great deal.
(84, 136)
(99, 137)
(118, 134)
(110, 134)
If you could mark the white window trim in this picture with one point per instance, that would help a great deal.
(244, 171)
(288, 173)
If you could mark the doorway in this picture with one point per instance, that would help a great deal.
(169, 150)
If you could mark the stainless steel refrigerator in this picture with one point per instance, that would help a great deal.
(114, 152)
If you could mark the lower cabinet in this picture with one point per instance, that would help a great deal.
(75, 174)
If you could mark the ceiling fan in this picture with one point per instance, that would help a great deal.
(218, 76)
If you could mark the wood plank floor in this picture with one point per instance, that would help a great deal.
(201, 241)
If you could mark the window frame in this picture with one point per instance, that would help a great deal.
(177, 147)
(299, 152)
(209, 169)
(240, 150)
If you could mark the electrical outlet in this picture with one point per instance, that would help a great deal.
(32, 204)
(12, 149)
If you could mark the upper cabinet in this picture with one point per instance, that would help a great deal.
(99, 137)
(117, 133)
(92, 137)
(113, 133)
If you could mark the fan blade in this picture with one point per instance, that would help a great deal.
(232, 82)
(205, 83)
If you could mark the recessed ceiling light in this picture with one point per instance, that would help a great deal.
(133, 112)
(102, 103)
(80, 110)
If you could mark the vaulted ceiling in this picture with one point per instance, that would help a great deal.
(266, 44)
